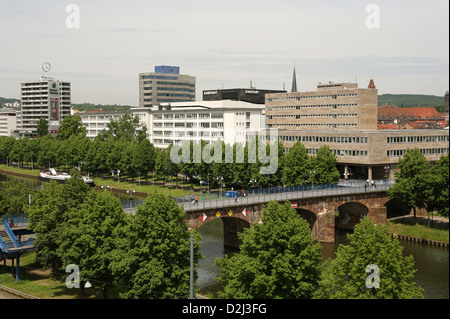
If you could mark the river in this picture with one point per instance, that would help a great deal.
(431, 262)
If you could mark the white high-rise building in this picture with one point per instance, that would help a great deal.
(45, 98)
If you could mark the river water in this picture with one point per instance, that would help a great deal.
(431, 262)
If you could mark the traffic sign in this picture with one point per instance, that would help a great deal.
(245, 212)
(203, 217)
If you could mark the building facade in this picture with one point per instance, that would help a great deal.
(97, 121)
(165, 85)
(45, 98)
(332, 106)
(8, 123)
(344, 117)
(251, 95)
(194, 121)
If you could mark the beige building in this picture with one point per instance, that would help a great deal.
(332, 106)
(344, 117)
(8, 122)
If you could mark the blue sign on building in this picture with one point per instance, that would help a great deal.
(167, 69)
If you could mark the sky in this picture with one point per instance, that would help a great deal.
(402, 44)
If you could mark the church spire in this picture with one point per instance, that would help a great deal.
(294, 82)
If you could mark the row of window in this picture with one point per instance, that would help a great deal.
(415, 139)
(424, 151)
(313, 124)
(159, 77)
(298, 107)
(352, 153)
(323, 139)
(298, 98)
(312, 115)
(158, 88)
(170, 83)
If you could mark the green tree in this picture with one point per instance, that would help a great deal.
(71, 125)
(277, 258)
(297, 165)
(50, 212)
(144, 157)
(42, 127)
(13, 196)
(128, 127)
(437, 193)
(324, 165)
(89, 238)
(152, 254)
(370, 245)
(412, 180)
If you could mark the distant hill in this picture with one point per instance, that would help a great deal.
(401, 100)
(4, 100)
(411, 100)
(98, 107)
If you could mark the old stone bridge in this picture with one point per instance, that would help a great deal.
(319, 210)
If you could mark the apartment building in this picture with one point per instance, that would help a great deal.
(45, 98)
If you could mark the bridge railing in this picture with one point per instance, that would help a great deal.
(263, 195)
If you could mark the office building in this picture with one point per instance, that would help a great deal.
(205, 120)
(251, 95)
(165, 85)
(45, 98)
(344, 117)
(331, 106)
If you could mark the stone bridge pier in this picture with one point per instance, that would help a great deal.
(324, 214)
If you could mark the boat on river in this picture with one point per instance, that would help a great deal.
(60, 177)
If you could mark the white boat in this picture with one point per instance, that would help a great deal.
(60, 177)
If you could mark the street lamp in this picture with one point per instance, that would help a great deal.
(220, 181)
(312, 172)
(386, 172)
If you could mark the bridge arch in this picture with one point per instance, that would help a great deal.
(311, 218)
(395, 208)
(350, 214)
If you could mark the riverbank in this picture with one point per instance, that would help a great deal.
(405, 227)
(124, 185)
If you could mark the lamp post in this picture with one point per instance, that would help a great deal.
(312, 172)
(386, 173)
(220, 181)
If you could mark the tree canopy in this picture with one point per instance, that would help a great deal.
(346, 276)
(277, 258)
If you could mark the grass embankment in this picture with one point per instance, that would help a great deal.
(25, 171)
(438, 231)
(167, 189)
(43, 284)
